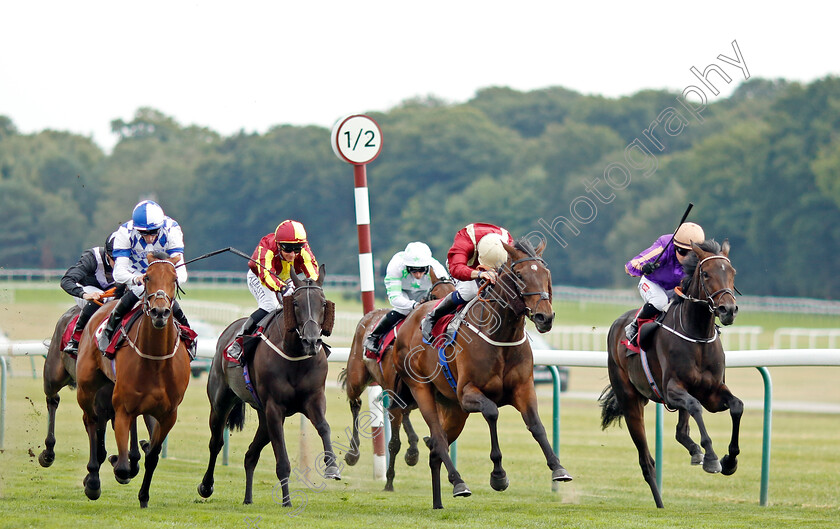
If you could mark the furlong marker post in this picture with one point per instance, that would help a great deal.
(357, 140)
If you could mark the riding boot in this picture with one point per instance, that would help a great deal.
(84, 316)
(648, 312)
(124, 305)
(447, 305)
(389, 320)
(235, 349)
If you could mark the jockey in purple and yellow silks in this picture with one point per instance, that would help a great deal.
(270, 273)
(660, 268)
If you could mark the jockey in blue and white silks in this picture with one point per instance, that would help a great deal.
(148, 231)
(407, 282)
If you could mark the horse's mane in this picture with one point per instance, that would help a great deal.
(690, 263)
(160, 254)
(524, 245)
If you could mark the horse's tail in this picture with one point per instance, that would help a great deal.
(236, 418)
(610, 408)
(342, 378)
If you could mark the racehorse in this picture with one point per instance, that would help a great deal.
(150, 374)
(287, 373)
(362, 372)
(490, 363)
(686, 364)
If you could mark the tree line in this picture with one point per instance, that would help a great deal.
(587, 174)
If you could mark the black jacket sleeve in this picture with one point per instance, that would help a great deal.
(82, 273)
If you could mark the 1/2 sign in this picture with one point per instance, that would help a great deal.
(356, 139)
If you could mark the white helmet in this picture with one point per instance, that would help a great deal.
(491, 253)
(687, 233)
(417, 255)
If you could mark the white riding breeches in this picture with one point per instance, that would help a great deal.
(266, 298)
(655, 294)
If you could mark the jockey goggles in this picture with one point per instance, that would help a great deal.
(682, 251)
(413, 269)
(289, 247)
(149, 232)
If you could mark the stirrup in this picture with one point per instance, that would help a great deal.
(370, 343)
(72, 347)
(631, 330)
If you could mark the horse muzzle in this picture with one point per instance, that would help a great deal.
(160, 316)
(543, 322)
(311, 347)
(726, 313)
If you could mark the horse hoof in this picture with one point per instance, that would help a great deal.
(133, 470)
(46, 459)
(560, 474)
(711, 465)
(144, 504)
(412, 455)
(205, 492)
(460, 490)
(697, 458)
(144, 445)
(113, 460)
(728, 465)
(332, 472)
(499, 484)
(428, 441)
(389, 487)
(122, 480)
(91, 493)
(351, 458)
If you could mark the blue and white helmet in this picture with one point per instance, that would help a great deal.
(147, 216)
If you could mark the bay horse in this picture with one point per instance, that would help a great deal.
(288, 372)
(150, 374)
(686, 362)
(361, 372)
(490, 363)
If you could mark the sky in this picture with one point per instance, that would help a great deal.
(250, 65)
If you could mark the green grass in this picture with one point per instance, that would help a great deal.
(608, 490)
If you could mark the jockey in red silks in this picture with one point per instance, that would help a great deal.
(476, 253)
(269, 273)
(660, 269)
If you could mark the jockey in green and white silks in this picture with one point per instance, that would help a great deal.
(407, 282)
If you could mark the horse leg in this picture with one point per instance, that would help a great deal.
(352, 455)
(91, 481)
(438, 446)
(396, 417)
(525, 401)
(315, 409)
(133, 451)
(275, 419)
(219, 411)
(634, 416)
(720, 401)
(47, 456)
(473, 400)
(679, 398)
(412, 454)
(164, 425)
(684, 438)
(122, 425)
(252, 456)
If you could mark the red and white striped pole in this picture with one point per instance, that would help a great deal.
(357, 140)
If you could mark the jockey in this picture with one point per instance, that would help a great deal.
(149, 230)
(86, 281)
(407, 282)
(660, 268)
(269, 273)
(476, 253)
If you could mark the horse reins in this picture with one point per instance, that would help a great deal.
(146, 310)
(709, 301)
(279, 351)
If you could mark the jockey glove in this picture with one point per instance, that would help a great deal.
(648, 268)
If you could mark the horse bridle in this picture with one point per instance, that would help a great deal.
(147, 298)
(542, 294)
(710, 298)
(428, 296)
(308, 310)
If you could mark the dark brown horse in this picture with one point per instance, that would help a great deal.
(361, 372)
(288, 373)
(491, 364)
(150, 374)
(686, 363)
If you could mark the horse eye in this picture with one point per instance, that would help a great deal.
(705, 275)
(518, 275)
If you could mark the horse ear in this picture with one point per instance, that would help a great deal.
(150, 257)
(322, 270)
(699, 251)
(512, 252)
(295, 279)
(329, 318)
(541, 248)
(724, 248)
(289, 312)
(432, 275)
